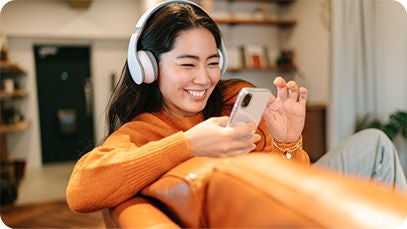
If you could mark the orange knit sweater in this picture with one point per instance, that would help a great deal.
(141, 151)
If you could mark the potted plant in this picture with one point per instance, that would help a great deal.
(396, 125)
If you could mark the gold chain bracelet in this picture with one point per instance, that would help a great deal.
(288, 150)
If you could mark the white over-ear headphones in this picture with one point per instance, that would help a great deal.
(142, 65)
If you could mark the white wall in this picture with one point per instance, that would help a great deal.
(311, 40)
(392, 47)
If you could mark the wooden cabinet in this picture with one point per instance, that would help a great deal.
(314, 133)
(12, 95)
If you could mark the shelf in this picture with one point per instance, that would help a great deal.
(279, 2)
(282, 23)
(9, 69)
(10, 128)
(284, 68)
(16, 94)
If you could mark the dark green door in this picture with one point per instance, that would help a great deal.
(64, 101)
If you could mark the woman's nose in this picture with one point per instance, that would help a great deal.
(202, 76)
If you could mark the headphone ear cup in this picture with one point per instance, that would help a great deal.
(221, 60)
(149, 66)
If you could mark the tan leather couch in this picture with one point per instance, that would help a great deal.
(259, 190)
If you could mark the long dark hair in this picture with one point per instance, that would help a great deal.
(130, 99)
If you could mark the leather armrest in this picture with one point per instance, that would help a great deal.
(140, 213)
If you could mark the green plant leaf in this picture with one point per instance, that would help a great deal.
(397, 124)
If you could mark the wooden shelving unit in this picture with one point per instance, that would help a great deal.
(280, 2)
(10, 69)
(16, 94)
(282, 23)
(15, 127)
(260, 16)
(8, 125)
(283, 68)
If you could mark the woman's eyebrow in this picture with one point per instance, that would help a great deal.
(213, 56)
(187, 56)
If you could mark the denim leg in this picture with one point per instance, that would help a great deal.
(368, 154)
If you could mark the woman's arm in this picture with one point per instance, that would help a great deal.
(117, 170)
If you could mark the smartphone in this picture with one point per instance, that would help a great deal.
(249, 106)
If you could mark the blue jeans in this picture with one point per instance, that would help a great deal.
(368, 154)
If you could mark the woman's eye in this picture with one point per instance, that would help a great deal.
(214, 64)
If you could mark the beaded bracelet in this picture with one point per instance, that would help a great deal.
(288, 150)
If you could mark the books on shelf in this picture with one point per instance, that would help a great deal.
(255, 56)
(259, 57)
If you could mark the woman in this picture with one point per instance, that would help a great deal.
(179, 113)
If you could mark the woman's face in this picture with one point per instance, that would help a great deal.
(189, 72)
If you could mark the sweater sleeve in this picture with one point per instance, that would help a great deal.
(117, 170)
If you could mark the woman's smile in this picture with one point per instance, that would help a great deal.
(196, 94)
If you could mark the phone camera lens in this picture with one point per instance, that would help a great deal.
(246, 100)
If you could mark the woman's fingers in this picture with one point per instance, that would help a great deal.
(220, 121)
(244, 129)
(244, 144)
(292, 90)
(303, 96)
(243, 138)
(280, 83)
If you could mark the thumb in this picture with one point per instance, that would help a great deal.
(221, 121)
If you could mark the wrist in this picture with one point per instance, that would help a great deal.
(288, 149)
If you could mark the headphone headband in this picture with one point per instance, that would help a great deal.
(142, 64)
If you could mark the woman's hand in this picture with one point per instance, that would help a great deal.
(285, 115)
(211, 138)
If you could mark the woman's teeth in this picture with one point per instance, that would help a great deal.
(196, 93)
